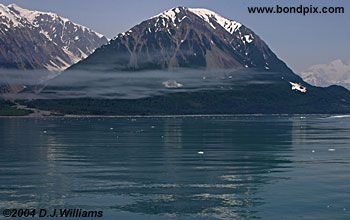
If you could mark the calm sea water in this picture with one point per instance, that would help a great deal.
(268, 167)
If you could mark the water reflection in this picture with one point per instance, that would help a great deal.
(147, 166)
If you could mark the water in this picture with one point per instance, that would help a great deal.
(243, 167)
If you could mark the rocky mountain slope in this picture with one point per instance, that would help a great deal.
(185, 37)
(42, 40)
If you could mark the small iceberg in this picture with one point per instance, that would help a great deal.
(340, 116)
(298, 87)
(172, 84)
(200, 152)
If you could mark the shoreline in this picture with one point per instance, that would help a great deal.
(38, 113)
(302, 116)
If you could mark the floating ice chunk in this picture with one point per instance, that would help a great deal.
(313, 151)
(111, 129)
(200, 152)
(298, 87)
(340, 116)
(331, 149)
(172, 84)
(44, 132)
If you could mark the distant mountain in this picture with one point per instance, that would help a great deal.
(185, 37)
(336, 72)
(42, 40)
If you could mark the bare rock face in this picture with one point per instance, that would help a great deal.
(41, 40)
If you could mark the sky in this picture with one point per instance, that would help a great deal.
(300, 41)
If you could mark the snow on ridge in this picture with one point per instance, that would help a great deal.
(46, 24)
(205, 14)
(32, 15)
(29, 15)
(168, 14)
(5, 11)
(229, 25)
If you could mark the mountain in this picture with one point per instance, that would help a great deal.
(186, 61)
(336, 72)
(42, 40)
(185, 37)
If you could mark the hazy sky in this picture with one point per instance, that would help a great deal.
(299, 40)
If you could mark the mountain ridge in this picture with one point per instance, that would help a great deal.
(43, 40)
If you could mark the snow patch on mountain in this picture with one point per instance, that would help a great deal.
(12, 18)
(29, 15)
(169, 14)
(207, 15)
(33, 16)
(248, 38)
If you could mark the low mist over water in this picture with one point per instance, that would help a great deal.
(129, 85)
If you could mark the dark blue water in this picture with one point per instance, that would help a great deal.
(262, 167)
